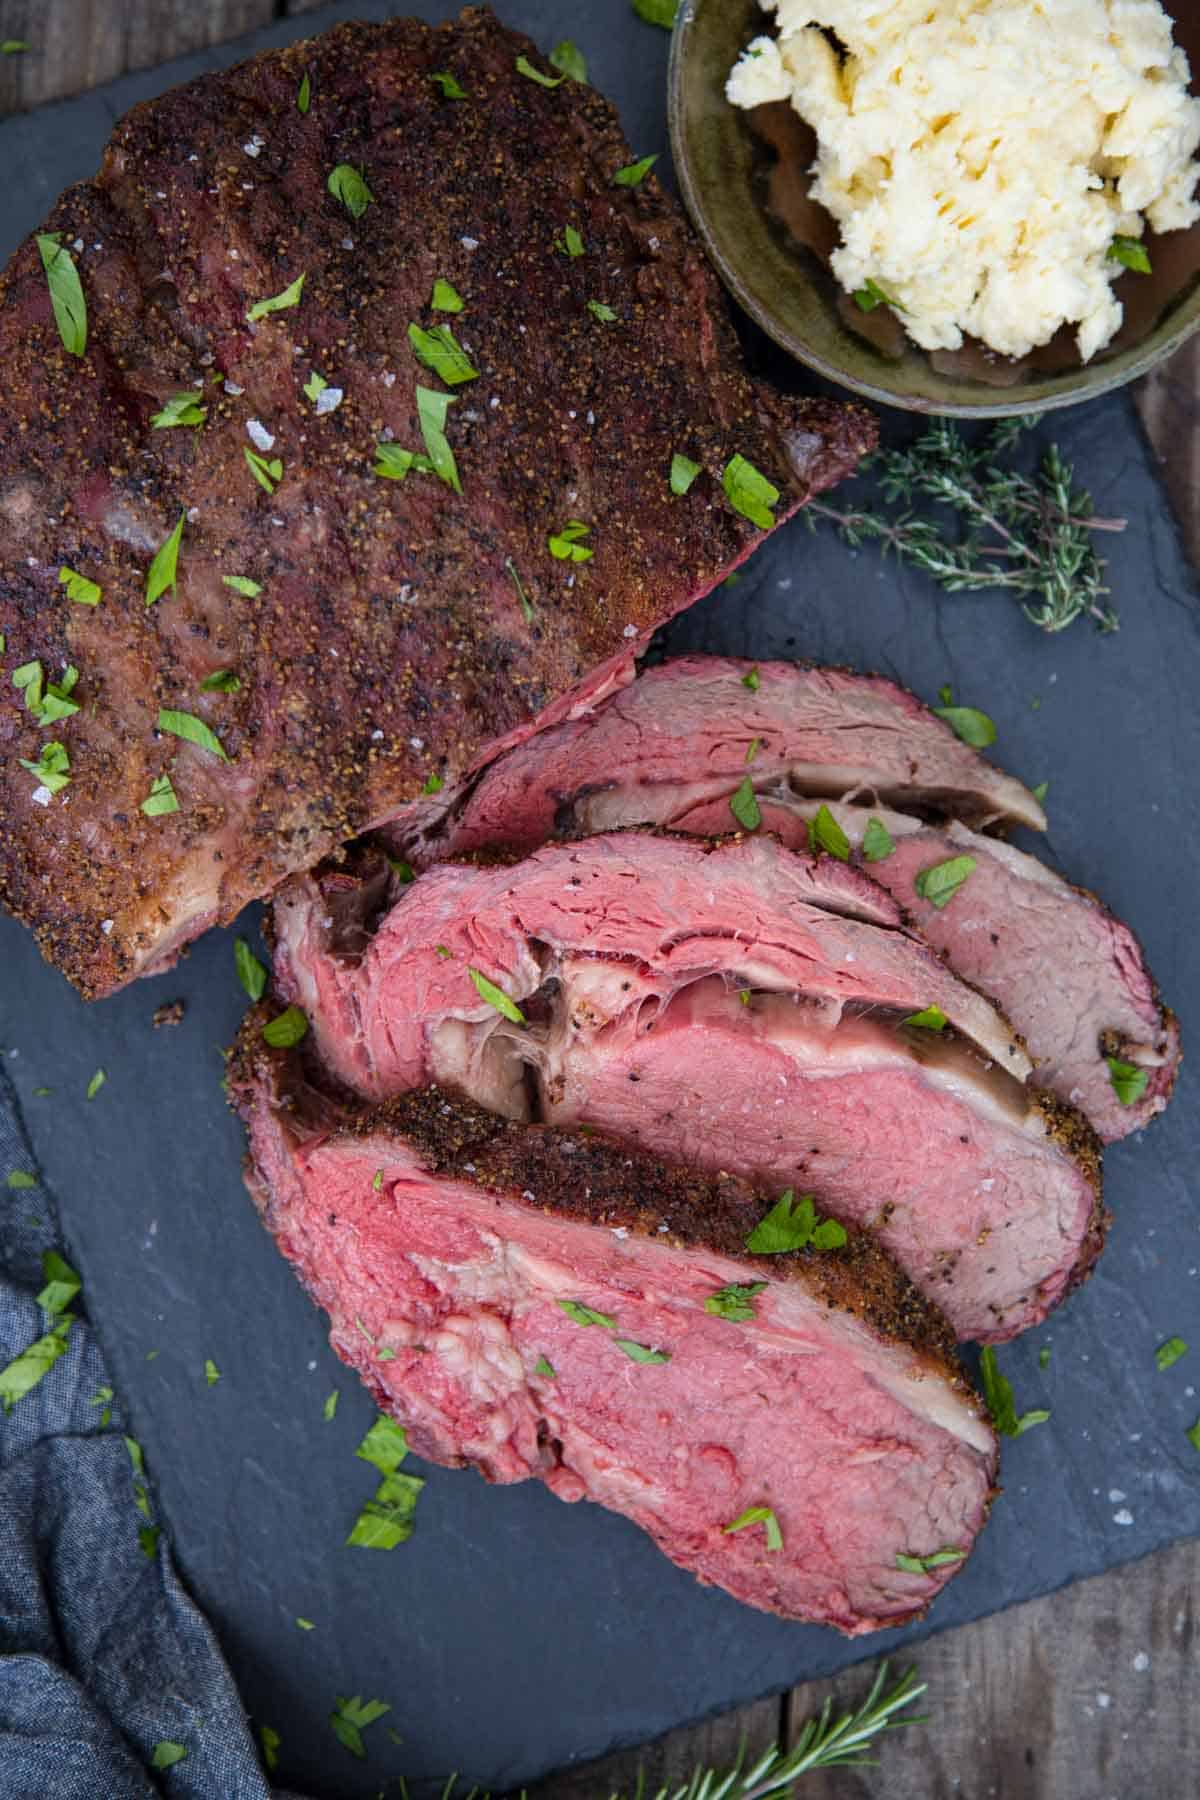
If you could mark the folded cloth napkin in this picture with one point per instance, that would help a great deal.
(112, 1686)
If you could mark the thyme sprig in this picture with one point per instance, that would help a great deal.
(1029, 534)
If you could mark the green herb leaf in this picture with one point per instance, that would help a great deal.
(305, 1625)
(791, 1224)
(939, 883)
(1044, 1357)
(394, 463)
(278, 302)
(66, 293)
(1167, 1354)
(180, 409)
(29, 679)
(347, 185)
(568, 57)
(522, 596)
(824, 833)
(487, 990)
(566, 545)
(62, 1285)
(387, 1518)
(544, 1367)
(743, 804)
(683, 472)
(79, 589)
(314, 387)
(267, 474)
(250, 972)
(586, 1315)
(166, 1754)
(526, 68)
(148, 1536)
(1193, 1435)
(287, 1029)
(96, 1083)
(570, 243)
(403, 871)
(1040, 791)
(221, 681)
(445, 298)
(55, 703)
(633, 174)
(330, 1407)
(922, 1565)
(242, 584)
(657, 12)
(25, 1371)
(162, 571)
(997, 1391)
(871, 294)
(304, 96)
(756, 745)
(18, 1180)
(14, 47)
(932, 1019)
(51, 770)
(448, 86)
(350, 1717)
(1129, 1082)
(211, 1372)
(734, 1301)
(749, 493)
(385, 1445)
(752, 680)
(598, 310)
(744, 996)
(432, 410)
(758, 1515)
(191, 729)
(1131, 253)
(640, 1353)
(267, 1737)
(877, 841)
(433, 785)
(440, 351)
(967, 723)
(161, 799)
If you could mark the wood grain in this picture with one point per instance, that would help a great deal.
(1169, 404)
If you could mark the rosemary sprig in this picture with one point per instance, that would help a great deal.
(1029, 534)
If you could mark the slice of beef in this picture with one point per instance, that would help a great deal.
(394, 629)
(445, 1243)
(732, 1005)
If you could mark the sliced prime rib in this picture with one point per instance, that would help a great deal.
(730, 1004)
(672, 748)
(393, 632)
(443, 1242)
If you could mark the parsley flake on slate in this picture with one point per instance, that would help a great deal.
(385, 1445)
(96, 1083)
(66, 292)
(211, 1372)
(250, 972)
(432, 409)
(51, 770)
(1044, 1357)
(752, 680)
(750, 493)
(79, 589)
(683, 472)
(162, 571)
(734, 1301)
(1040, 791)
(221, 681)
(968, 724)
(522, 596)
(598, 310)
(445, 298)
(877, 841)
(305, 1624)
(1129, 1082)
(166, 1754)
(191, 729)
(758, 1515)
(543, 1366)
(487, 990)
(304, 96)
(287, 1029)
(743, 804)
(824, 833)
(657, 12)
(1131, 253)
(62, 1285)
(330, 1407)
(267, 474)
(568, 57)
(641, 1353)
(871, 294)
(633, 174)
(346, 184)
(440, 351)
(939, 883)
(932, 1019)
(526, 68)
(278, 302)
(566, 545)
(586, 1315)
(570, 243)
(997, 1391)
(27, 1369)
(350, 1718)
(1193, 1435)
(1164, 1357)
(180, 409)
(447, 85)
(242, 584)
(387, 1519)
(791, 1224)
(161, 799)
(921, 1565)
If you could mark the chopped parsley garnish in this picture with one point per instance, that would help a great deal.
(432, 410)
(871, 294)
(791, 1224)
(56, 702)
(394, 463)
(441, 950)
(148, 1536)
(21, 1179)
(440, 351)
(526, 68)
(14, 47)
(387, 1519)
(633, 174)
(221, 681)
(566, 545)
(824, 833)
(683, 472)
(314, 387)
(180, 409)
(922, 1565)
(755, 746)
(211, 1372)
(66, 292)
(287, 1029)
(997, 1391)
(586, 1315)
(568, 58)
(330, 1407)
(877, 841)
(191, 729)
(162, 571)
(758, 1515)
(278, 302)
(433, 785)
(447, 85)
(267, 474)
(932, 1019)
(305, 1625)
(1193, 1435)
(522, 596)
(62, 1285)
(166, 1754)
(752, 680)
(96, 1083)
(1044, 1357)
(1131, 253)
(743, 804)
(641, 1353)
(1129, 1082)
(377, 1180)
(350, 1718)
(304, 96)
(26, 1370)
(161, 799)
(268, 1737)
(385, 1445)
(487, 990)
(657, 12)
(544, 1367)
(445, 298)
(744, 996)
(969, 724)
(1165, 1356)
(1040, 791)
(242, 584)
(51, 770)
(939, 883)
(570, 243)
(750, 493)
(250, 972)
(598, 310)
(735, 1301)
(347, 185)
(79, 589)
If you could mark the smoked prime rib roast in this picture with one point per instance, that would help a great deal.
(384, 636)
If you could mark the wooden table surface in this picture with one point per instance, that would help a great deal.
(1086, 1695)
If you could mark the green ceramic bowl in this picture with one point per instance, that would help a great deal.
(723, 165)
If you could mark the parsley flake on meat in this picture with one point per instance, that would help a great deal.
(969, 724)
(734, 1301)
(66, 292)
(932, 1019)
(446, 298)
(180, 409)
(568, 57)
(941, 881)
(161, 799)
(997, 1391)
(287, 1029)
(922, 1565)
(346, 184)
(267, 474)
(304, 95)
(758, 1515)
(278, 302)
(544, 1367)
(824, 833)
(641, 1353)
(432, 411)
(586, 1315)
(877, 841)
(192, 730)
(242, 584)
(749, 492)
(743, 804)
(440, 351)
(600, 311)
(683, 472)
(792, 1224)
(495, 996)
(566, 544)
(752, 680)
(51, 771)
(1129, 1082)
(221, 681)
(526, 68)
(394, 463)
(634, 173)
(162, 572)
(80, 590)
(447, 86)
(570, 243)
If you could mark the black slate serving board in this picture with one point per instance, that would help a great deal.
(514, 1634)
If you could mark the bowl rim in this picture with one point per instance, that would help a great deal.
(1093, 382)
